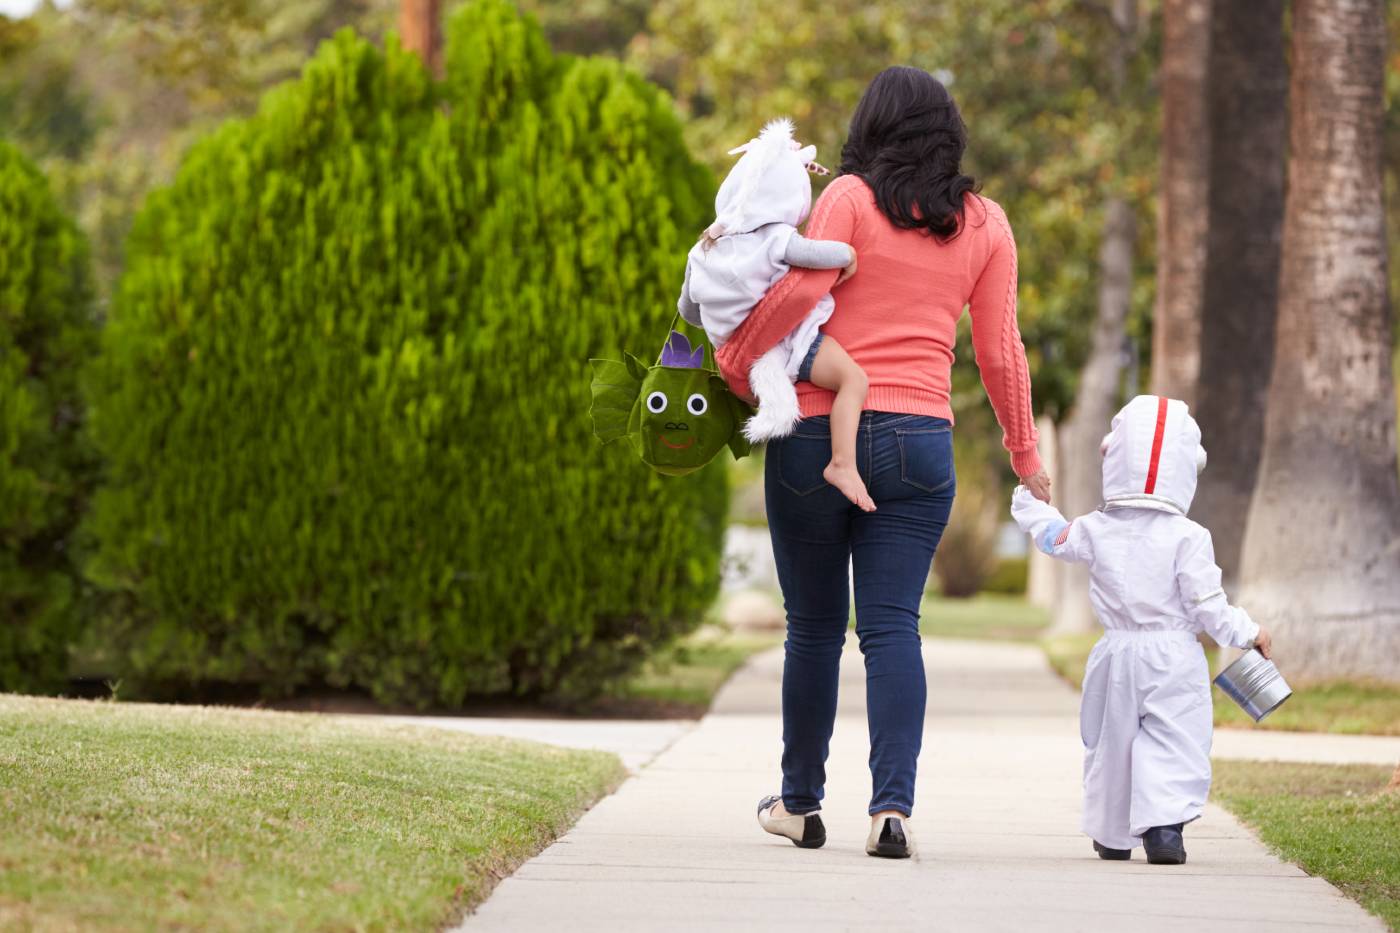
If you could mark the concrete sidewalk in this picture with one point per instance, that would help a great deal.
(635, 741)
(677, 847)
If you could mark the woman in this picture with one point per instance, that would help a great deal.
(928, 247)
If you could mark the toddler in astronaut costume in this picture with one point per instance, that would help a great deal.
(751, 245)
(1145, 716)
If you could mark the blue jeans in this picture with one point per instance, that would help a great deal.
(907, 464)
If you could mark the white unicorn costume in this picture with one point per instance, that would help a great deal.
(751, 245)
(1145, 716)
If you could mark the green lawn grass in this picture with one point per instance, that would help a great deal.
(1336, 821)
(684, 678)
(1342, 707)
(1008, 618)
(135, 817)
(1354, 708)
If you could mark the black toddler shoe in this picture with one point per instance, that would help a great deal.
(1164, 845)
(1112, 855)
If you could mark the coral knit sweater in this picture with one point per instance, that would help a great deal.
(898, 315)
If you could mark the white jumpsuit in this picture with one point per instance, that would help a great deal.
(1145, 716)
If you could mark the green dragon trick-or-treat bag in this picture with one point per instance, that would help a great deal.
(677, 413)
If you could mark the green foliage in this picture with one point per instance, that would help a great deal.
(587, 27)
(41, 100)
(345, 384)
(45, 334)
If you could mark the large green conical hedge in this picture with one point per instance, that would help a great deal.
(343, 392)
(45, 335)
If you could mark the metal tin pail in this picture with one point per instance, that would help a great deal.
(1255, 684)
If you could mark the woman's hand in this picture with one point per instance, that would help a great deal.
(849, 270)
(1039, 485)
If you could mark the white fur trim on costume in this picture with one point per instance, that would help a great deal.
(778, 411)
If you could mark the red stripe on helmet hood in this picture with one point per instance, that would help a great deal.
(1156, 445)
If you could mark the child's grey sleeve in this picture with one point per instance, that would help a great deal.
(817, 254)
(690, 311)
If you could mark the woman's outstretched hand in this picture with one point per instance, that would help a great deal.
(1039, 485)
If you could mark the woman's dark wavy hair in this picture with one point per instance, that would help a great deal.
(907, 140)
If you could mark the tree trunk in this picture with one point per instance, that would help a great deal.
(1248, 129)
(1181, 214)
(1321, 561)
(420, 30)
(1095, 402)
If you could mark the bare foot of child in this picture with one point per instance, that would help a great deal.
(847, 479)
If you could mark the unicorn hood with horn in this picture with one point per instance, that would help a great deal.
(768, 185)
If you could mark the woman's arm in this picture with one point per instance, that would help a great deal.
(1001, 357)
(795, 294)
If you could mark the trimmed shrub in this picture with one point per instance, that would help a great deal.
(45, 334)
(344, 390)
(1009, 579)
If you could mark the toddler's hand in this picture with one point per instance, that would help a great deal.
(849, 270)
(1265, 643)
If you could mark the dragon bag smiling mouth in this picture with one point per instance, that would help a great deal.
(676, 398)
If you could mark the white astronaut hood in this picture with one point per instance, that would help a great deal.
(767, 185)
(1152, 455)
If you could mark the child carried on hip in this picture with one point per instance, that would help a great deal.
(750, 246)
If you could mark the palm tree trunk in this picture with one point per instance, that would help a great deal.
(1248, 103)
(1321, 561)
(1181, 213)
(420, 30)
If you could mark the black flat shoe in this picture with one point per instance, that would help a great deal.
(1112, 855)
(889, 839)
(806, 830)
(1164, 845)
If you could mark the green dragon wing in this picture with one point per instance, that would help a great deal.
(615, 386)
(739, 445)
